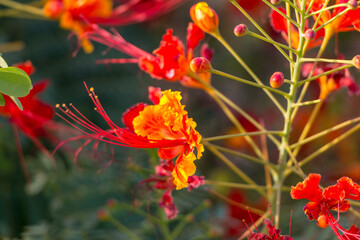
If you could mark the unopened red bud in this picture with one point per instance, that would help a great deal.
(309, 34)
(111, 203)
(356, 61)
(240, 30)
(102, 215)
(274, 2)
(277, 79)
(200, 65)
(322, 221)
(353, 4)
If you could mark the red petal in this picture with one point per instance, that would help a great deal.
(131, 113)
(278, 22)
(155, 94)
(194, 36)
(308, 189)
(27, 67)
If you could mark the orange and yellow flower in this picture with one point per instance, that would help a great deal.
(164, 125)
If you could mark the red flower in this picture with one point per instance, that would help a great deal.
(273, 233)
(35, 113)
(169, 62)
(77, 15)
(165, 126)
(322, 201)
(332, 82)
(279, 24)
(349, 21)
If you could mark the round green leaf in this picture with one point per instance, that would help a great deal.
(14, 82)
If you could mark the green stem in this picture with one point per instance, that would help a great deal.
(209, 139)
(243, 186)
(330, 144)
(271, 41)
(236, 170)
(326, 60)
(247, 68)
(243, 155)
(326, 9)
(185, 219)
(237, 124)
(325, 132)
(281, 13)
(214, 71)
(122, 228)
(23, 7)
(307, 103)
(332, 19)
(324, 74)
(257, 26)
(292, 5)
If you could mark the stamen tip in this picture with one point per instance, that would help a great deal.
(91, 89)
(57, 105)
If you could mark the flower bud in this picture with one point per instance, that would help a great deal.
(277, 79)
(240, 30)
(102, 215)
(309, 34)
(205, 17)
(200, 65)
(275, 2)
(53, 9)
(111, 203)
(353, 4)
(356, 61)
(322, 221)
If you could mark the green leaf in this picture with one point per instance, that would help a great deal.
(2, 100)
(17, 102)
(14, 82)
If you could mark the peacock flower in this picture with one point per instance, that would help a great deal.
(349, 21)
(279, 24)
(77, 15)
(170, 61)
(334, 81)
(331, 198)
(205, 17)
(164, 125)
(35, 113)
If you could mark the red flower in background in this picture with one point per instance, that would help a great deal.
(169, 61)
(35, 113)
(77, 15)
(349, 21)
(334, 81)
(279, 24)
(322, 201)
